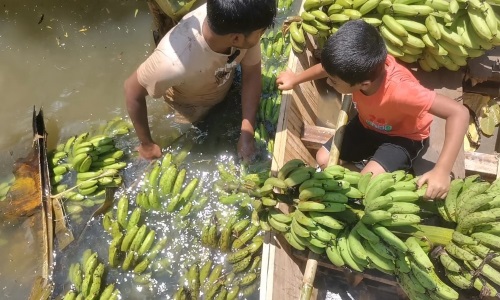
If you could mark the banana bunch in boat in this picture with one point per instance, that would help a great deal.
(434, 33)
(86, 279)
(471, 202)
(134, 245)
(390, 199)
(420, 280)
(470, 257)
(471, 260)
(334, 183)
(217, 283)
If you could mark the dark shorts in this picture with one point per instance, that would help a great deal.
(391, 152)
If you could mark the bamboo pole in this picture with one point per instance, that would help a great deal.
(312, 259)
(339, 133)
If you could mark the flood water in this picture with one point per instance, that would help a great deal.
(69, 57)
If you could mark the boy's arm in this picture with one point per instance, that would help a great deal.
(135, 100)
(287, 80)
(457, 121)
(250, 97)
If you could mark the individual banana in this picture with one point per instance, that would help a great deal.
(379, 203)
(398, 219)
(390, 37)
(312, 192)
(390, 238)
(439, 5)
(394, 26)
(375, 191)
(333, 254)
(376, 216)
(479, 24)
(366, 233)
(299, 230)
(343, 248)
(293, 242)
(245, 237)
(312, 206)
(432, 27)
(411, 25)
(297, 34)
(139, 238)
(288, 167)
(459, 253)
(403, 196)
(303, 218)
(384, 264)
(122, 211)
(299, 175)
(411, 10)
(355, 246)
(418, 254)
(325, 220)
(368, 6)
(451, 198)
(278, 216)
(449, 263)
(128, 239)
(276, 182)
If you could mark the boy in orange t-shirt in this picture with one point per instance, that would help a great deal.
(394, 110)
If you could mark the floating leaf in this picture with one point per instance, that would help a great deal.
(467, 145)
(495, 111)
(487, 121)
(473, 133)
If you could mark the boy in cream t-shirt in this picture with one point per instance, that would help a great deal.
(193, 67)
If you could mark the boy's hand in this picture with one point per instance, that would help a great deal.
(286, 80)
(149, 151)
(438, 183)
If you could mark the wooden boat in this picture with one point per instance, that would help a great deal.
(300, 132)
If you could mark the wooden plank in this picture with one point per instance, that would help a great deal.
(281, 273)
(313, 137)
(477, 162)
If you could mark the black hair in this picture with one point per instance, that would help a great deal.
(240, 16)
(355, 53)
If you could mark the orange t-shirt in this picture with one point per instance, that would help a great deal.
(400, 107)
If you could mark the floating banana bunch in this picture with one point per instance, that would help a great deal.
(86, 278)
(133, 244)
(96, 161)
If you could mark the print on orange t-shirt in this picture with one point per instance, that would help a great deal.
(400, 107)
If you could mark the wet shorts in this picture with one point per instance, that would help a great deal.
(391, 152)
